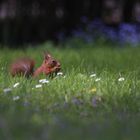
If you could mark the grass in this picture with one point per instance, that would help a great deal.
(75, 105)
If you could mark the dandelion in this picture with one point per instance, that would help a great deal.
(6, 90)
(121, 79)
(59, 73)
(98, 79)
(38, 86)
(16, 98)
(43, 81)
(93, 90)
(92, 75)
(15, 85)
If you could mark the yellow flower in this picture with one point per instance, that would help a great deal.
(93, 90)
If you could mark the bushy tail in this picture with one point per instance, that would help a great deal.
(22, 67)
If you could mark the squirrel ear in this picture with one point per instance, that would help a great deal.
(47, 55)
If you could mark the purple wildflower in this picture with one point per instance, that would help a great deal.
(82, 35)
(76, 101)
(95, 29)
(78, 33)
(95, 101)
(128, 34)
(95, 24)
(110, 33)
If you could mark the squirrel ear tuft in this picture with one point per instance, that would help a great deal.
(47, 55)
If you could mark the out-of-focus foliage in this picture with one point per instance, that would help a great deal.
(23, 21)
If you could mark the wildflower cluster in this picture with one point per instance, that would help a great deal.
(75, 100)
(40, 84)
(90, 31)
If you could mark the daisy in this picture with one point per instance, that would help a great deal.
(38, 86)
(98, 79)
(59, 73)
(43, 81)
(92, 75)
(121, 79)
(6, 90)
(16, 98)
(15, 85)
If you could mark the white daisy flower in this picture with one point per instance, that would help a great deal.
(121, 79)
(98, 79)
(6, 90)
(59, 73)
(44, 81)
(16, 98)
(15, 85)
(38, 86)
(93, 75)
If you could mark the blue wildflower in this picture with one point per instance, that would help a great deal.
(128, 34)
(110, 33)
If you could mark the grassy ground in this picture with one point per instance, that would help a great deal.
(96, 98)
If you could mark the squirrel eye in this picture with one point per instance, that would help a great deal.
(53, 62)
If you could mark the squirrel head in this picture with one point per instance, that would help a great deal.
(51, 63)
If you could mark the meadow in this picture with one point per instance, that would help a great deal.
(95, 97)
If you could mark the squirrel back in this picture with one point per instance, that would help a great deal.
(25, 67)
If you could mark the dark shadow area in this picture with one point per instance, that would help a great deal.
(35, 21)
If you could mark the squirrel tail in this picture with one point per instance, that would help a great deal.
(22, 66)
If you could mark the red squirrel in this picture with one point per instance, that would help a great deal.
(25, 67)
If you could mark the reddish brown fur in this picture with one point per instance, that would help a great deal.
(22, 67)
(25, 66)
